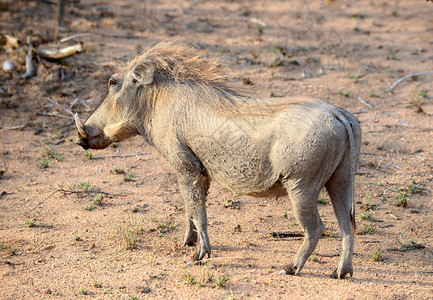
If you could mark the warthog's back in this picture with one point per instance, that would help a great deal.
(250, 150)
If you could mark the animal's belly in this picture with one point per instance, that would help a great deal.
(276, 190)
(249, 177)
(254, 190)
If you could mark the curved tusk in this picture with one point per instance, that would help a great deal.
(80, 126)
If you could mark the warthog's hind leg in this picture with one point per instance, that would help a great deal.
(190, 238)
(194, 190)
(305, 208)
(339, 188)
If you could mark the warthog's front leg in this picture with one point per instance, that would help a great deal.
(194, 190)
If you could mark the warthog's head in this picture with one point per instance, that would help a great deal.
(118, 116)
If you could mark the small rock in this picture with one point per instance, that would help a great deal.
(8, 66)
(48, 292)
(144, 289)
(247, 81)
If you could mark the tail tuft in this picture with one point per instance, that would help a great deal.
(352, 219)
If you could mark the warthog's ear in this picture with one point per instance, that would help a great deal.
(143, 72)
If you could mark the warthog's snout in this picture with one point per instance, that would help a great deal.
(91, 136)
(83, 143)
(82, 135)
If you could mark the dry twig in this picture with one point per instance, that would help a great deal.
(30, 68)
(407, 77)
(72, 105)
(119, 155)
(3, 168)
(204, 260)
(285, 239)
(89, 191)
(285, 234)
(393, 216)
(327, 255)
(370, 153)
(53, 114)
(11, 42)
(56, 114)
(65, 39)
(14, 127)
(365, 102)
(244, 19)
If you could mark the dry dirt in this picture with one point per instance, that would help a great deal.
(77, 226)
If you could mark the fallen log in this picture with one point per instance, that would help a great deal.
(61, 53)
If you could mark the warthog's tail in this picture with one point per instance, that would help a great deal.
(353, 155)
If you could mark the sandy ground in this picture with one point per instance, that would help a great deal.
(75, 224)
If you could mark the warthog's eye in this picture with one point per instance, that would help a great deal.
(112, 82)
(134, 81)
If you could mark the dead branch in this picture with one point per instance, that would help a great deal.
(61, 13)
(370, 153)
(204, 260)
(407, 77)
(125, 155)
(53, 114)
(61, 53)
(84, 103)
(256, 21)
(285, 234)
(243, 19)
(30, 68)
(327, 255)
(72, 105)
(365, 103)
(14, 127)
(407, 247)
(3, 168)
(11, 42)
(65, 125)
(41, 202)
(68, 38)
(56, 114)
(393, 216)
(285, 239)
(90, 100)
(89, 191)
(362, 75)
(362, 173)
(360, 112)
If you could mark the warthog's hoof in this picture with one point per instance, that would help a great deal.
(195, 263)
(288, 270)
(190, 238)
(199, 256)
(188, 243)
(342, 274)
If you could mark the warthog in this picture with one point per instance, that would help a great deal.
(178, 100)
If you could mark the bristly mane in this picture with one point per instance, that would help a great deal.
(182, 63)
